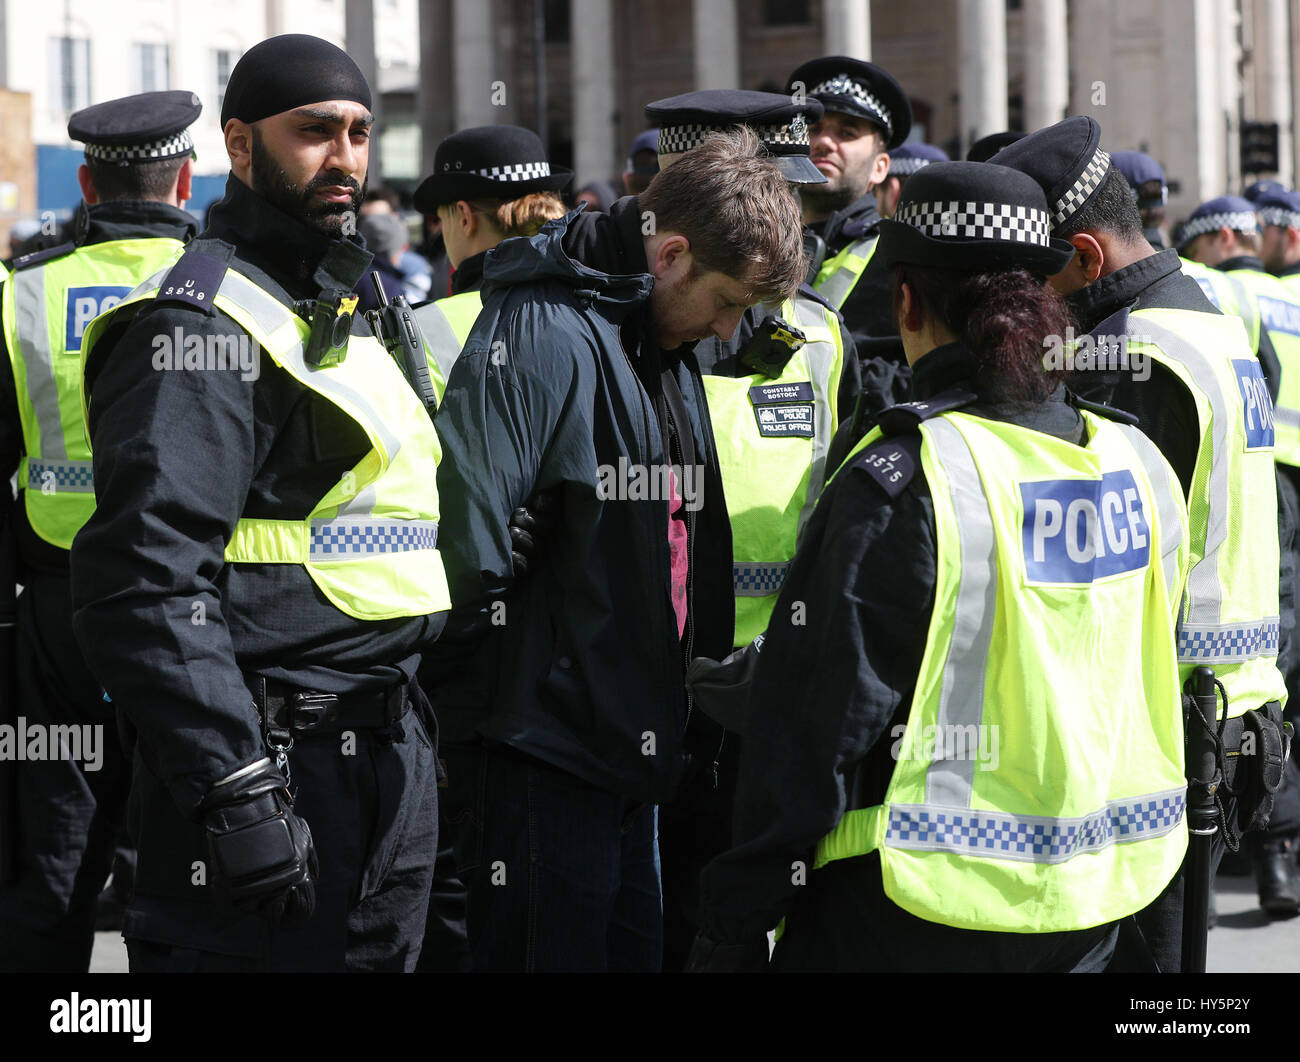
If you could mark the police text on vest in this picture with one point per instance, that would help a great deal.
(1082, 530)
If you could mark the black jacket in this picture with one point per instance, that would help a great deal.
(559, 387)
(179, 458)
(827, 690)
(103, 223)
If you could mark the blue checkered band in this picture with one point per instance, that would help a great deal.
(1236, 220)
(758, 580)
(844, 85)
(1280, 216)
(1228, 642)
(906, 167)
(168, 148)
(1032, 838)
(74, 476)
(334, 538)
(983, 221)
(1077, 194)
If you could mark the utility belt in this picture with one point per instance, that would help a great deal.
(289, 711)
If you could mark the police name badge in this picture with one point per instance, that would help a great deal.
(783, 410)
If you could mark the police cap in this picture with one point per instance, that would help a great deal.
(907, 158)
(1139, 168)
(489, 162)
(779, 122)
(1281, 209)
(851, 86)
(987, 146)
(1225, 212)
(1261, 189)
(1066, 160)
(972, 216)
(646, 141)
(149, 127)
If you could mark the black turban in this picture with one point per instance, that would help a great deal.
(294, 69)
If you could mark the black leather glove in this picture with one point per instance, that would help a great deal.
(260, 853)
(528, 525)
(721, 690)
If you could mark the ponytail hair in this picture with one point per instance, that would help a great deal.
(520, 217)
(1003, 316)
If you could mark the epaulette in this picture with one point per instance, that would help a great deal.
(809, 292)
(47, 255)
(197, 275)
(893, 460)
(1101, 409)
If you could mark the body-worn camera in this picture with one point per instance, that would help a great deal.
(331, 324)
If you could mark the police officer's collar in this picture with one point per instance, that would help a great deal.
(860, 218)
(288, 251)
(950, 366)
(468, 276)
(1290, 270)
(1099, 300)
(135, 220)
(1242, 261)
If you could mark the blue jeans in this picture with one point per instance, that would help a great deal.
(562, 875)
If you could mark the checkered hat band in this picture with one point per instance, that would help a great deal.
(1087, 183)
(522, 171)
(1287, 219)
(843, 85)
(1236, 220)
(979, 221)
(176, 144)
(674, 139)
(906, 167)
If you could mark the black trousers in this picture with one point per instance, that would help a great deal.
(842, 921)
(69, 810)
(372, 805)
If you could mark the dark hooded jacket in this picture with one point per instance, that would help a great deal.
(562, 390)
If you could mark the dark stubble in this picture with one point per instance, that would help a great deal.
(273, 185)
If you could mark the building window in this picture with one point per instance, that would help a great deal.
(787, 12)
(224, 60)
(151, 67)
(70, 67)
(557, 16)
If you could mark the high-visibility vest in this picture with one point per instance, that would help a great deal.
(370, 544)
(46, 309)
(840, 274)
(1279, 310)
(445, 325)
(1228, 294)
(1230, 617)
(1039, 784)
(772, 435)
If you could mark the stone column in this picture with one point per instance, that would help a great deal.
(846, 28)
(1047, 69)
(474, 65)
(982, 29)
(435, 90)
(595, 101)
(717, 44)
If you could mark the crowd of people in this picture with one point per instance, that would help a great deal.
(808, 560)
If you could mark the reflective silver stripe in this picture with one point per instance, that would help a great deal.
(350, 536)
(33, 328)
(836, 288)
(1289, 417)
(1033, 838)
(270, 315)
(439, 337)
(66, 477)
(1247, 307)
(820, 357)
(1204, 588)
(1165, 488)
(758, 580)
(961, 692)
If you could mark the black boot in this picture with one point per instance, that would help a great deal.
(1275, 875)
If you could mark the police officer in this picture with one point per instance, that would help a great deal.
(904, 161)
(1147, 179)
(261, 572)
(867, 115)
(1161, 352)
(776, 391)
(135, 181)
(903, 704)
(488, 184)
